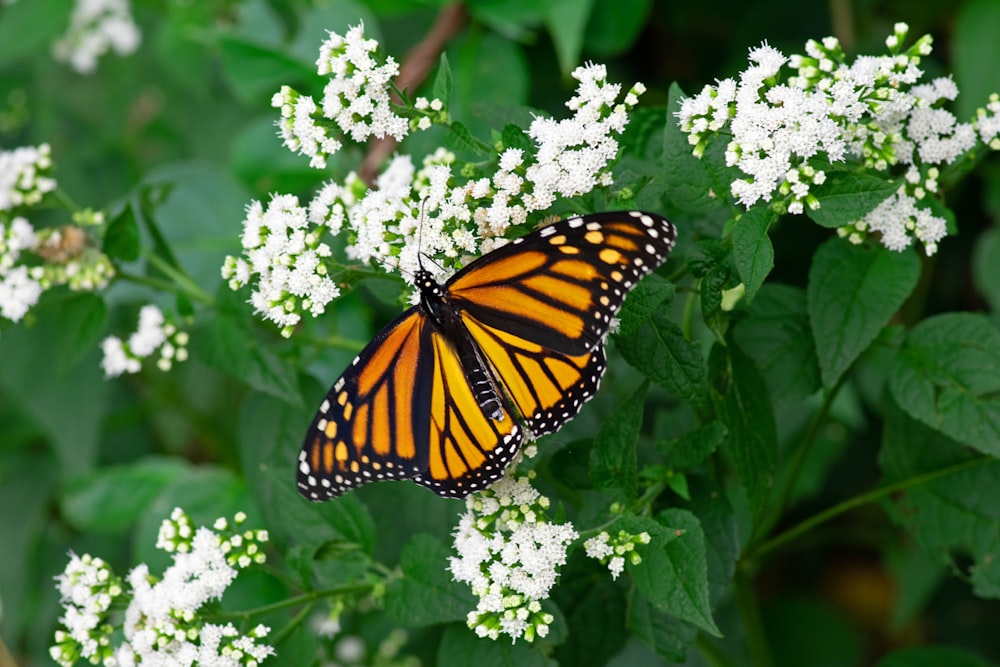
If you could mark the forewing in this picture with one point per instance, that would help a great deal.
(372, 425)
(560, 286)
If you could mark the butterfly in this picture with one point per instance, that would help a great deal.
(509, 347)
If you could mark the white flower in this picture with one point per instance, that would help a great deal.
(510, 555)
(153, 334)
(96, 27)
(18, 293)
(24, 178)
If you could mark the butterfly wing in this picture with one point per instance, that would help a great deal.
(540, 307)
(560, 286)
(403, 409)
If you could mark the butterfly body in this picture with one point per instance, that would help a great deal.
(512, 344)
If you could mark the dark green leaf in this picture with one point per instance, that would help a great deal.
(427, 594)
(224, 344)
(613, 464)
(460, 647)
(595, 609)
(667, 636)
(952, 514)
(111, 499)
(673, 574)
(776, 335)
(566, 20)
(853, 292)
(848, 196)
(614, 25)
(975, 54)
(742, 402)
(947, 375)
(659, 350)
(753, 254)
(986, 266)
(121, 240)
(514, 136)
(652, 295)
(694, 446)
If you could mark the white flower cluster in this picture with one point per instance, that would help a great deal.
(613, 551)
(96, 27)
(18, 290)
(426, 211)
(355, 101)
(161, 624)
(154, 334)
(287, 257)
(510, 554)
(871, 111)
(70, 256)
(25, 176)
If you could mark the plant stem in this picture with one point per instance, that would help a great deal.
(311, 596)
(865, 498)
(180, 279)
(753, 625)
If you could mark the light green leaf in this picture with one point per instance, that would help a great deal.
(853, 292)
(566, 20)
(947, 375)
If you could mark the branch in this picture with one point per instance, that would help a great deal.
(417, 64)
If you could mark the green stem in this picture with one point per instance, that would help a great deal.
(802, 452)
(180, 279)
(310, 597)
(865, 498)
(297, 620)
(753, 624)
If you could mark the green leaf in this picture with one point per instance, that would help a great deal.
(442, 81)
(514, 136)
(427, 594)
(853, 292)
(694, 446)
(743, 404)
(478, 57)
(947, 375)
(986, 266)
(86, 316)
(667, 636)
(614, 25)
(460, 647)
(652, 295)
(659, 350)
(225, 344)
(121, 239)
(31, 26)
(975, 54)
(696, 185)
(460, 138)
(255, 72)
(951, 514)
(110, 500)
(594, 608)
(673, 574)
(776, 335)
(566, 20)
(753, 253)
(933, 656)
(847, 196)
(613, 463)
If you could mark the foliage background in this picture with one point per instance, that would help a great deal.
(183, 132)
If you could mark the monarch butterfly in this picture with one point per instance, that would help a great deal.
(513, 342)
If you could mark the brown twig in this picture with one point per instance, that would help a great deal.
(417, 64)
